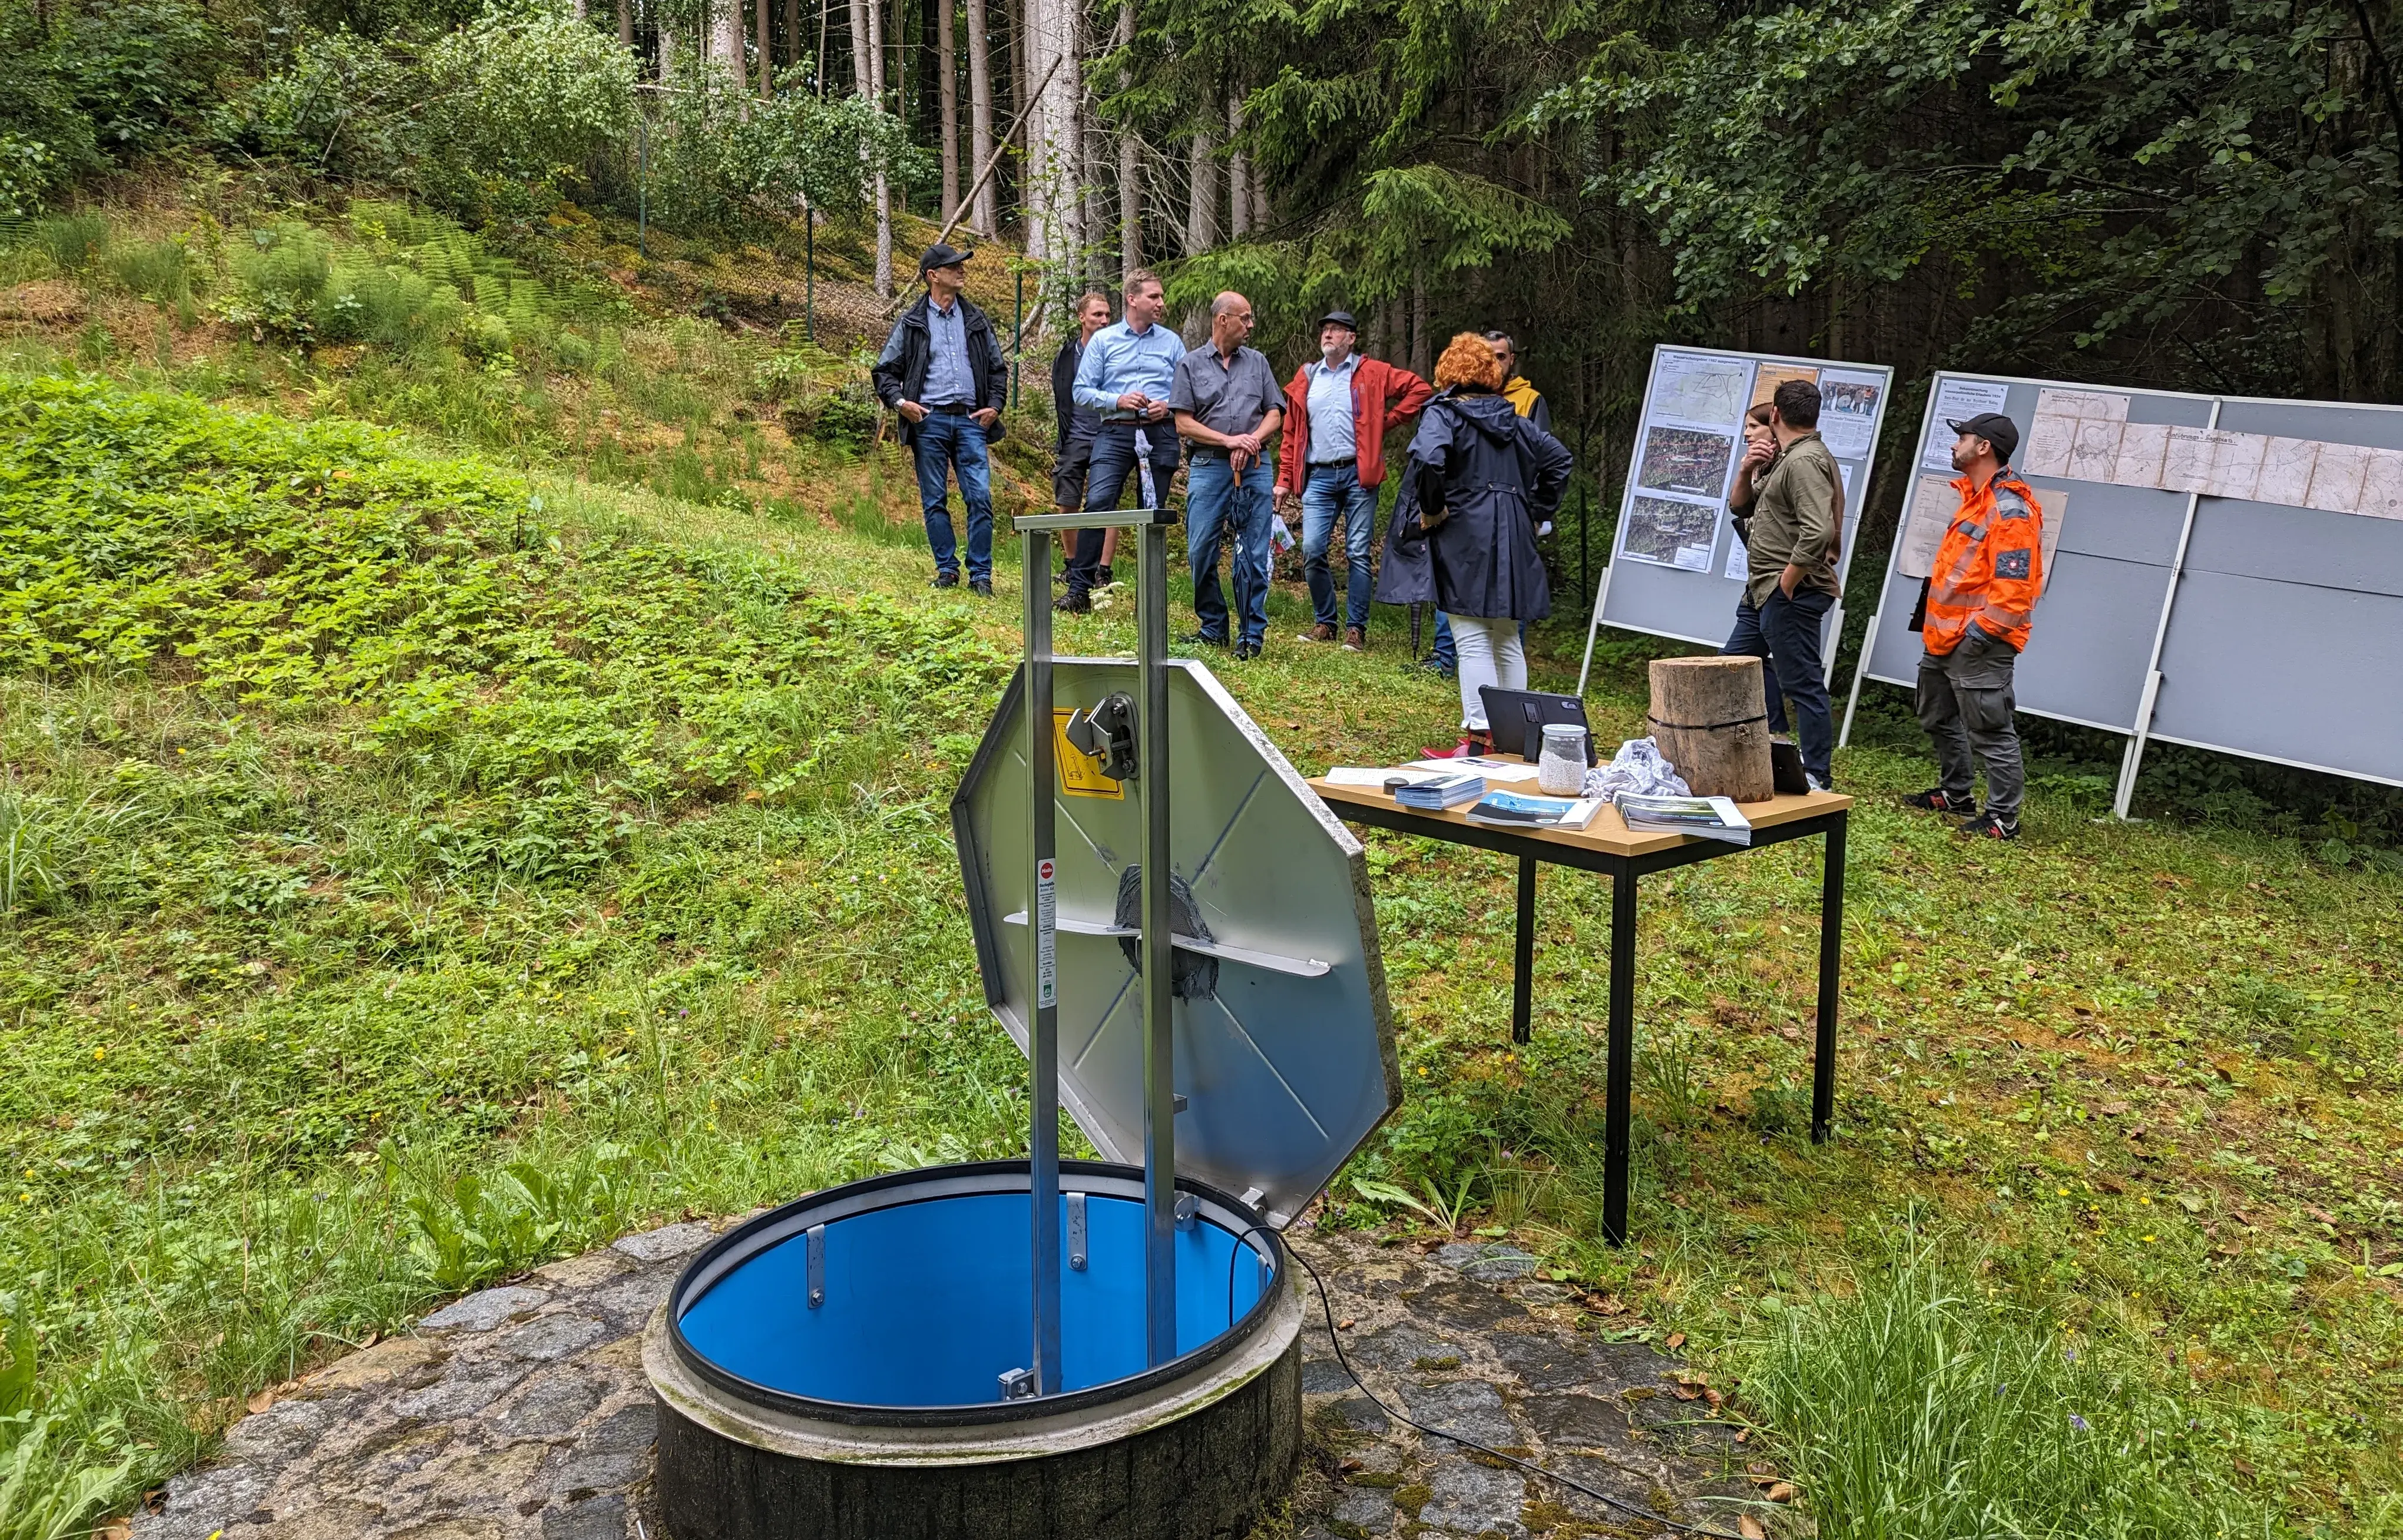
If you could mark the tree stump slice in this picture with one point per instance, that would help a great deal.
(1710, 717)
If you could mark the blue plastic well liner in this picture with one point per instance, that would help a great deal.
(927, 1303)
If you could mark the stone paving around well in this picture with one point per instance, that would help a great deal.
(521, 1413)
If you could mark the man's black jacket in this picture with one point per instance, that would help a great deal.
(900, 373)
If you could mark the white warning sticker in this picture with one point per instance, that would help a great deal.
(1047, 926)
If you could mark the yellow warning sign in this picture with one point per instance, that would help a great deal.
(1080, 773)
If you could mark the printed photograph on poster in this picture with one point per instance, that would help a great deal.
(2336, 478)
(1957, 401)
(1933, 503)
(1765, 383)
(1848, 411)
(1672, 533)
(1692, 387)
(2382, 485)
(2286, 471)
(1686, 460)
(2091, 406)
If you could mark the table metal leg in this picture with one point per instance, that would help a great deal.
(1522, 981)
(1621, 1071)
(1831, 957)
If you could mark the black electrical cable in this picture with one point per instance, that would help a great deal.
(1620, 1504)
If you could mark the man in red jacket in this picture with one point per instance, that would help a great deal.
(1338, 411)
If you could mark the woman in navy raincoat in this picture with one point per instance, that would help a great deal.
(1484, 478)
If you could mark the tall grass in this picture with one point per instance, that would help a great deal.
(1918, 1409)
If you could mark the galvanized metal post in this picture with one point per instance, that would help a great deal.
(1159, 1002)
(1018, 339)
(1043, 915)
(810, 273)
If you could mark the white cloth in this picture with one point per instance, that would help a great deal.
(1636, 769)
(1490, 654)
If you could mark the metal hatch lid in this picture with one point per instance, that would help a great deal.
(1286, 1062)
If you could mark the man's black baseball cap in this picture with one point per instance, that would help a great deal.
(1339, 318)
(1994, 428)
(941, 255)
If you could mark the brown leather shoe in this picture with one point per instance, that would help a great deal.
(1356, 639)
(1323, 631)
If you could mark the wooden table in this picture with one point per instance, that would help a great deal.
(1610, 847)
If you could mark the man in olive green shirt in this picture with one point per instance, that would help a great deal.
(1796, 512)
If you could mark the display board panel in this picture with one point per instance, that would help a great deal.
(2228, 572)
(2286, 617)
(2112, 548)
(1676, 566)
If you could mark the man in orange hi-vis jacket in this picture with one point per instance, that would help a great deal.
(1975, 611)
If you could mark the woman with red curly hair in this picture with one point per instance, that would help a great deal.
(1480, 480)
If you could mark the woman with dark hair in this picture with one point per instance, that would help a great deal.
(1480, 480)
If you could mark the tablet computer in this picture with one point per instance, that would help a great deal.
(1518, 718)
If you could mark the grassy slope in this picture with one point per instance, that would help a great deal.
(2138, 1083)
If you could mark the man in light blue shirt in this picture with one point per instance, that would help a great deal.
(1127, 374)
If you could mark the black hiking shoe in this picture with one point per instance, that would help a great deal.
(945, 581)
(1987, 827)
(1930, 801)
(980, 586)
(1073, 604)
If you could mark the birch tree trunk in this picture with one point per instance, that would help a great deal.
(726, 35)
(946, 74)
(1239, 191)
(1054, 228)
(986, 214)
(1201, 213)
(1129, 162)
(875, 10)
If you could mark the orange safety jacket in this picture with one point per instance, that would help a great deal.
(1989, 567)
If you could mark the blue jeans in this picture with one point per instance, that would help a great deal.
(1445, 654)
(1217, 507)
(1330, 492)
(1113, 476)
(1789, 630)
(948, 443)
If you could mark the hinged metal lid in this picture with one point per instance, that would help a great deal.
(1285, 1059)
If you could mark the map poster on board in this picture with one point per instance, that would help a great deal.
(1671, 533)
(1687, 460)
(1848, 411)
(1695, 387)
(1933, 503)
(1957, 401)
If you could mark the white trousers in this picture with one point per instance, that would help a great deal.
(1490, 654)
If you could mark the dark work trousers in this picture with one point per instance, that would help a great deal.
(1791, 628)
(1108, 481)
(1964, 704)
(1749, 641)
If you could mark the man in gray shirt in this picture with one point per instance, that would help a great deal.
(1227, 405)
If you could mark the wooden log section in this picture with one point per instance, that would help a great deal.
(1710, 719)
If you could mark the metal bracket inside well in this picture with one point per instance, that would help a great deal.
(817, 1265)
(1016, 1384)
(1076, 1231)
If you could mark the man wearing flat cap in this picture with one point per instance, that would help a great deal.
(1338, 408)
(1974, 616)
(943, 370)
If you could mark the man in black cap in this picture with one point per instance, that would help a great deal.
(1973, 619)
(943, 370)
(1331, 460)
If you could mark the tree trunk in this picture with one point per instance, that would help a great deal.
(1710, 718)
(1130, 162)
(875, 10)
(580, 11)
(1055, 233)
(726, 35)
(860, 76)
(1422, 343)
(760, 40)
(985, 216)
(626, 23)
(792, 54)
(1259, 201)
(1025, 109)
(1239, 189)
(946, 74)
(667, 53)
(1201, 213)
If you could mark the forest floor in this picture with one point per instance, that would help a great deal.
(352, 960)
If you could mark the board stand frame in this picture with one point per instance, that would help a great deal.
(1159, 1000)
